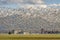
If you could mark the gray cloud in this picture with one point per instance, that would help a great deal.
(28, 1)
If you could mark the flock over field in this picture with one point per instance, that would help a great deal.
(30, 19)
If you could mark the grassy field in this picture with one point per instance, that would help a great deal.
(30, 37)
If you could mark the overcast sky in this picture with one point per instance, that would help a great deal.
(52, 1)
(18, 3)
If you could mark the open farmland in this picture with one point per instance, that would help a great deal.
(30, 37)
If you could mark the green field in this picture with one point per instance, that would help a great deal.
(30, 37)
